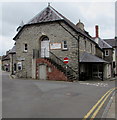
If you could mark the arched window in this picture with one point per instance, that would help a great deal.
(44, 46)
(45, 38)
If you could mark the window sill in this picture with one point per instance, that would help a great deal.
(25, 51)
(65, 49)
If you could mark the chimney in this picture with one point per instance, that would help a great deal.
(96, 31)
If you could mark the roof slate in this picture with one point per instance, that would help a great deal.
(13, 50)
(112, 42)
(46, 15)
(6, 57)
(89, 58)
(104, 44)
(49, 14)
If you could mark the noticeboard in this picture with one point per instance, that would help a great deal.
(55, 46)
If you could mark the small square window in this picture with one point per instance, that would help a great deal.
(25, 47)
(85, 45)
(106, 53)
(114, 65)
(65, 45)
(19, 66)
(91, 47)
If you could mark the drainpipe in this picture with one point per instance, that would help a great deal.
(78, 59)
(78, 46)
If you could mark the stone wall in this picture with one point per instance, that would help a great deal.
(110, 57)
(31, 35)
(52, 72)
(12, 61)
(6, 65)
(99, 53)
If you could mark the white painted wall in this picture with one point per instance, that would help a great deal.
(114, 54)
(107, 71)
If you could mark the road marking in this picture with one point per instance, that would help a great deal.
(100, 106)
(94, 107)
(95, 84)
(88, 114)
(104, 115)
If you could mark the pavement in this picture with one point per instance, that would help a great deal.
(112, 110)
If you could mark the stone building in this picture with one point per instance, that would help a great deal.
(49, 37)
(113, 43)
(6, 63)
(108, 53)
(9, 61)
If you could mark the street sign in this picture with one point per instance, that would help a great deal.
(66, 60)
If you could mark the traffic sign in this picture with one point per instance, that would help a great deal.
(66, 60)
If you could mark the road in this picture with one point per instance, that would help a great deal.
(51, 99)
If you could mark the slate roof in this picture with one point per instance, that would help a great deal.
(102, 44)
(13, 50)
(89, 58)
(112, 42)
(6, 57)
(49, 14)
(46, 15)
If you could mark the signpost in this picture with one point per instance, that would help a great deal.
(66, 60)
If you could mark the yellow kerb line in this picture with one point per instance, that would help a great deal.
(93, 108)
(97, 110)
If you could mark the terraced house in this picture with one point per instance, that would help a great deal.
(9, 61)
(49, 37)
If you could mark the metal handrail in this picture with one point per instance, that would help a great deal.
(66, 68)
(62, 64)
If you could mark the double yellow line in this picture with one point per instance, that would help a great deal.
(102, 100)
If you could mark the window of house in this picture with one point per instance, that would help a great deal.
(15, 66)
(65, 45)
(106, 53)
(25, 47)
(113, 64)
(85, 45)
(91, 48)
(19, 66)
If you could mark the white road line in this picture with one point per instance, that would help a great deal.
(95, 84)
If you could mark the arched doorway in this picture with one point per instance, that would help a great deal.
(45, 47)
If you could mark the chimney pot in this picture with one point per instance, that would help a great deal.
(97, 31)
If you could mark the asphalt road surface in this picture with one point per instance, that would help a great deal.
(51, 99)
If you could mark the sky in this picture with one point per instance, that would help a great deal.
(90, 13)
